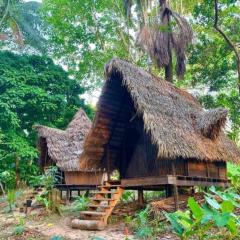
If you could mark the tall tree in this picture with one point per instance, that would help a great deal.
(86, 34)
(32, 90)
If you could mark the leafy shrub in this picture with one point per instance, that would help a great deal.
(11, 199)
(144, 225)
(8, 178)
(80, 204)
(199, 219)
(234, 176)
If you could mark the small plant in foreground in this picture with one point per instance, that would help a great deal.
(144, 225)
(80, 204)
(198, 220)
(20, 228)
(11, 199)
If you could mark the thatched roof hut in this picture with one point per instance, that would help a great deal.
(174, 120)
(64, 147)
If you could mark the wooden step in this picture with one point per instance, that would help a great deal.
(87, 224)
(93, 213)
(98, 206)
(102, 199)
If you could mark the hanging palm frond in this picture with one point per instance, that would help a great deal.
(181, 36)
(162, 37)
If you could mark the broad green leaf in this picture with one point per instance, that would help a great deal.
(232, 226)
(195, 208)
(212, 202)
(221, 219)
(227, 206)
(177, 227)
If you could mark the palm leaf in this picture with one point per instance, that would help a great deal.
(17, 33)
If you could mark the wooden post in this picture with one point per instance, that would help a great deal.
(207, 168)
(140, 197)
(108, 164)
(168, 191)
(67, 195)
(70, 194)
(175, 194)
(175, 187)
(79, 192)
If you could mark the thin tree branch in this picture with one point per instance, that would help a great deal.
(227, 39)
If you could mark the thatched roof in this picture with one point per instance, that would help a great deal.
(65, 146)
(175, 120)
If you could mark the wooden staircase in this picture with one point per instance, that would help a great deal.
(100, 207)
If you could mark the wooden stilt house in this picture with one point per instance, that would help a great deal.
(63, 148)
(156, 135)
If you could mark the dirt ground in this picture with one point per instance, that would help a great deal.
(40, 225)
(43, 227)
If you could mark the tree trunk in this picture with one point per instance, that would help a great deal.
(17, 170)
(2, 189)
(165, 19)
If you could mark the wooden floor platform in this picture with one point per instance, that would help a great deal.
(74, 187)
(173, 180)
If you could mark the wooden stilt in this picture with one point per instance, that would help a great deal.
(67, 195)
(70, 194)
(175, 194)
(175, 187)
(79, 192)
(140, 197)
(168, 191)
(108, 164)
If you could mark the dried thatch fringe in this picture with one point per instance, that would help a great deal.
(211, 122)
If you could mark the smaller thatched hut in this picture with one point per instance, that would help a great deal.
(63, 148)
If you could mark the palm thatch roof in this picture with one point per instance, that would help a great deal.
(175, 120)
(65, 147)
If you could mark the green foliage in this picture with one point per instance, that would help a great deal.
(144, 225)
(20, 228)
(11, 199)
(22, 29)
(80, 203)
(199, 219)
(87, 34)
(127, 196)
(234, 176)
(32, 90)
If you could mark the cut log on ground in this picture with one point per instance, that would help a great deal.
(87, 224)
